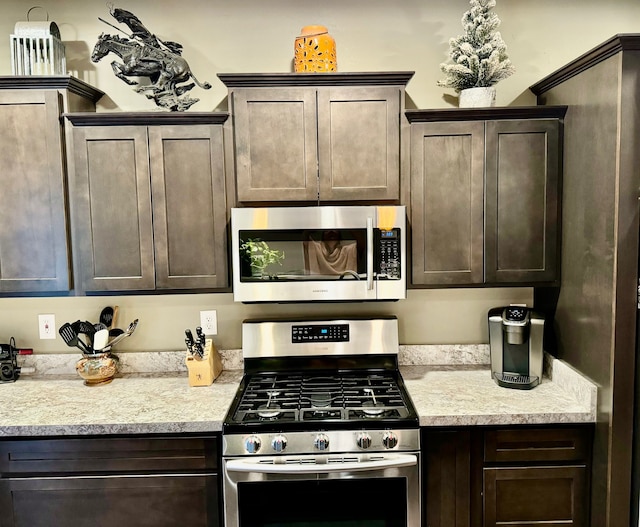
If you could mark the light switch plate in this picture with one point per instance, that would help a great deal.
(47, 327)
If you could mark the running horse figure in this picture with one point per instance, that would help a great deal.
(149, 57)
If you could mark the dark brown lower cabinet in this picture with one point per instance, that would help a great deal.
(153, 501)
(536, 496)
(115, 482)
(520, 476)
(447, 478)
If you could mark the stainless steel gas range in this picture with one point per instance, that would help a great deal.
(322, 431)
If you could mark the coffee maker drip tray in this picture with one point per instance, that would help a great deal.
(516, 380)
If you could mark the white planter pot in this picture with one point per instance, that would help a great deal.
(477, 97)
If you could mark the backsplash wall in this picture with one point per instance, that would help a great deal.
(447, 316)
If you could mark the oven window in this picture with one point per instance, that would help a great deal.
(375, 502)
(293, 255)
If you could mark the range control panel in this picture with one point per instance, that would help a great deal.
(320, 333)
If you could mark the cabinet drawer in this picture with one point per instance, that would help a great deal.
(113, 455)
(530, 445)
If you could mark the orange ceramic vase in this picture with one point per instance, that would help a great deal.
(315, 51)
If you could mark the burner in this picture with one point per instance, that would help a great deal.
(269, 413)
(373, 411)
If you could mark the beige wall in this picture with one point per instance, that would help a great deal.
(257, 36)
(229, 36)
(448, 316)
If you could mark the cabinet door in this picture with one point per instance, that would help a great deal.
(553, 496)
(447, 479)
(111, 208)
(189, 206)
(111, 501)
(359, 143)
(522, 201)
(447, 185)
(276, 144)
(33, 239)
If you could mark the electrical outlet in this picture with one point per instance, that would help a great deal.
(47, 326)
(209, 322)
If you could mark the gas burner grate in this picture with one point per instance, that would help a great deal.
(318, 397)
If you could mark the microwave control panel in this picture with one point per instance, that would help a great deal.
(389, 254)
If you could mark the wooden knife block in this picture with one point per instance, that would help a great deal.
(202, 372)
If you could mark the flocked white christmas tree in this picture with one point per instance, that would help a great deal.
(479, 56)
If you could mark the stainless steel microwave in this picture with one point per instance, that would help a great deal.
(333, 253)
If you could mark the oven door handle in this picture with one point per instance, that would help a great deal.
(251, 465)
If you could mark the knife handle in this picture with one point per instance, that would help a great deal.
(201, 336)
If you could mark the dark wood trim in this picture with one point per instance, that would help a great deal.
(267, 80)
(145, 118)
(617, 43)
(51, 82)
(482, 114)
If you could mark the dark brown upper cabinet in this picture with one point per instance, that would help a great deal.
(34, 246)
(332, 137)
(148, 201)
(485, 189)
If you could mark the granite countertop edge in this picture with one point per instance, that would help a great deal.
(458, 393)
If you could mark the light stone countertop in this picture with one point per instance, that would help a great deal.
(460, 392)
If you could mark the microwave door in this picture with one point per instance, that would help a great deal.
(305, 264)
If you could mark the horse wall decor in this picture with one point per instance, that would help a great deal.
(145, 55)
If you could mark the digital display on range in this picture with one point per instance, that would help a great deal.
(320, 333)
(389, 234)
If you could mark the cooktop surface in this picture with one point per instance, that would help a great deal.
(311, 400)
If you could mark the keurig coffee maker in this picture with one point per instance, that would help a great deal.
(515, 340)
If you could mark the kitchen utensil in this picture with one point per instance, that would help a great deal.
(132, 327)
(106, 317)
(84, 328)
(201, 337)
(189, 340)
(70, 338)
(101, 339)
(114, 318)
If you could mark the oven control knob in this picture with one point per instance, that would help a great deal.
(389, 440)
(279, 443)
(363, 440)
(321, 442)
(252, 444)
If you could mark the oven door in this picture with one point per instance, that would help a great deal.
(338, 490)
(287, 254)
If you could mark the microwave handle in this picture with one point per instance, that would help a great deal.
(369, 253)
